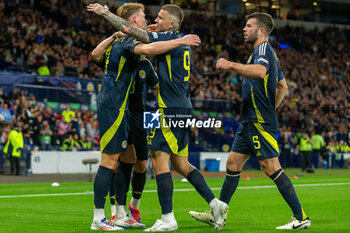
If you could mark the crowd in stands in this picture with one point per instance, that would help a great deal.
(58, 36)
(66, 130)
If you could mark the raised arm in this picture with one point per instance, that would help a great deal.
(164, 46)
(97, 53)
(119, 23)
(247, 70)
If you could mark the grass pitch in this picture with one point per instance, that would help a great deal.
(256, 206)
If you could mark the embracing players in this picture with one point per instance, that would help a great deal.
(173, 98)
(120, 58)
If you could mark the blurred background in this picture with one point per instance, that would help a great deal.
(49, 82)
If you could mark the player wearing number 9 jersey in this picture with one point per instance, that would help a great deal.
(173, 94)
(166, 143)
(174, 73)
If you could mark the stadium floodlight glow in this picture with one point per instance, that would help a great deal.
(244, 0)
(315, 3)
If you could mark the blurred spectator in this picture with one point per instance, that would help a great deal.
(227, 122)
(194, 137)
(75, 128)
(317, 146)
(45, 136)
(286, 145)
(305, 148)
(62, 129)
(66, 143)
(67, 113)
(82, 130)
(37, 122)
(28, 133)
(44, 70)
(84, 143)
(5, 113)
(71, 143)
(75, 144)
(91, 129)
(14, 147)
(5, 131)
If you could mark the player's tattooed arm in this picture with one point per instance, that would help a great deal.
(119, 23)
(126, 27)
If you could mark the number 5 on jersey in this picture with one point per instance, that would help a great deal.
(256, 142)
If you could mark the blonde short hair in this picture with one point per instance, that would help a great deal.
(128, 9)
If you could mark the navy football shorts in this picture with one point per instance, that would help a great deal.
(256, 139)
(114, 128)
(171, 139)
(138, 137)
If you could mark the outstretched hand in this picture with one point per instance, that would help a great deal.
(152, 28)
(191, 40)
(97, 8)
(223, 64)
(118, 34)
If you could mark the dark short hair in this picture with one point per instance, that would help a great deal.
(264, 20)
(175, 11)
(128, 9)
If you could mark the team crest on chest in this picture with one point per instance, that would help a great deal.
(142, 74)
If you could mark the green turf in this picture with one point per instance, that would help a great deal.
(251, 210)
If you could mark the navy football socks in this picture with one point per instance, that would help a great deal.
(101, 186)
(165, 192)
(229, 186)
(138, 182)
(198, 182)
(122, 181)
(286, 188)
(112, 190)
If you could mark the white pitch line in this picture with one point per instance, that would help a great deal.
(49, 195)
(175, 190)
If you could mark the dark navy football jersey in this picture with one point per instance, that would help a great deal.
(120, 66)
(259, 94)
(145, 74)
(174, 73)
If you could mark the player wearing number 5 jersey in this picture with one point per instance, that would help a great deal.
(264, 87)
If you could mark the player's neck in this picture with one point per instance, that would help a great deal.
(260, 41)
(174, 29)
